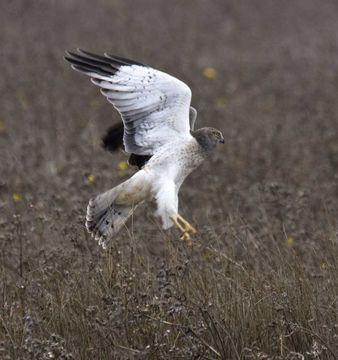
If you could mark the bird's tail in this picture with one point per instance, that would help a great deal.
(108, 212)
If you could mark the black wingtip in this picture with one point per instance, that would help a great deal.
(67, 56)
(87, 54)
(91, 64)
(112, 61)
(123, 61)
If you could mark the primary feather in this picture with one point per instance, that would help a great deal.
(154, 106)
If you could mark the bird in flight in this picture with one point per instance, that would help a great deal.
(158, 133)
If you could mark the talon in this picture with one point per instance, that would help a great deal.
(185, 228)
(193, 231)
(186, 237)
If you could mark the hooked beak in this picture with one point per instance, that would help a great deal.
(220, 143)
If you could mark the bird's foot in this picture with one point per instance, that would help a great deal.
(186, 228)
(187, 238)
(186, 225)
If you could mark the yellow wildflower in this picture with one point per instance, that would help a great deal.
(290, 241)
(323, 265)
(122, 166)
(209, 72)
(91, 178)
(17, 197)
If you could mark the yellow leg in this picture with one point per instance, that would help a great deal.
(184, 227)
(187, 226)
(180, 227)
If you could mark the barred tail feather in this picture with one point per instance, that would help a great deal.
(108, 212)
(107, 222)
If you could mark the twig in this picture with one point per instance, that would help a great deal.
(188, 329)
(128, 349)
(320, 339)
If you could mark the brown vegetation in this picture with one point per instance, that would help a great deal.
(261, 281)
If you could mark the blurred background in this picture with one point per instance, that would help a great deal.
(264, 72)
(271, 89)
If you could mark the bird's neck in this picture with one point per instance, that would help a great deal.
(202, 139)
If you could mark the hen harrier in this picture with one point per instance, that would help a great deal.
(158, 133)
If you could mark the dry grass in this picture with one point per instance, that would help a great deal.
(261, 281)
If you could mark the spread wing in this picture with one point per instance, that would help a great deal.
(113, 139)
(154, 106)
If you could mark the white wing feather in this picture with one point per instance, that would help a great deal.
(154, 106)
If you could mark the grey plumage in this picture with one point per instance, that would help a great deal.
(158, 132)
(208, 137)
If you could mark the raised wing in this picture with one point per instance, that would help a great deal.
(154, 106)
(113, 139)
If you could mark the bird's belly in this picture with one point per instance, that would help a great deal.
(175, 169)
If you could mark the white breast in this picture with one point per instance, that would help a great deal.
(176, 160)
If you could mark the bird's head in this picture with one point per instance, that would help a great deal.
(208, 137)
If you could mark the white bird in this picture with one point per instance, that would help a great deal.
(158, 133)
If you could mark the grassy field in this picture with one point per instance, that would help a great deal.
(261, 280)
